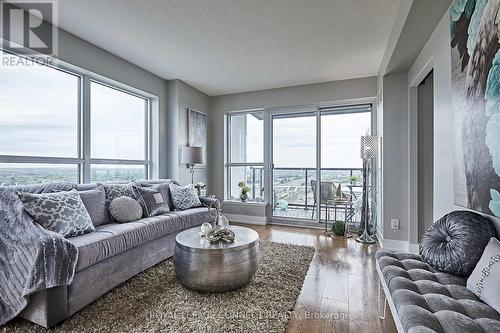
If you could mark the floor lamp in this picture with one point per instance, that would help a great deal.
(369, 145)
(192, 156)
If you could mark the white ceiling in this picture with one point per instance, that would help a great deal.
(228, 46)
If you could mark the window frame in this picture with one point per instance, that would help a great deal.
(229, 164)
(83, 159)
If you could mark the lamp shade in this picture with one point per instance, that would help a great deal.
(369, 145)
(192, 155)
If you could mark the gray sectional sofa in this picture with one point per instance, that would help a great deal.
(109, 256)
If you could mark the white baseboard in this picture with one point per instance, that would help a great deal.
(392, 244)
(247, 219)
(414, 248)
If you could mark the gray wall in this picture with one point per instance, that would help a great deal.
(80, 53)
(394, 133)
(290, 96)
(181, 97)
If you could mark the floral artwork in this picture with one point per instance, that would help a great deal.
(475, 60)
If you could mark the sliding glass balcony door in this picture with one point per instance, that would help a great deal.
(294, 161)
(319, 143)
(341, 129)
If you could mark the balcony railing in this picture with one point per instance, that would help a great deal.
(294, 184)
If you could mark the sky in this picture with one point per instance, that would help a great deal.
(38, 112)
(294, 140)
(39, 116)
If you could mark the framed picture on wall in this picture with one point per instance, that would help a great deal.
(197, 131)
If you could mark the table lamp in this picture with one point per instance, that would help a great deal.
(192, 156)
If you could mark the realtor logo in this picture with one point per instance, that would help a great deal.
(29, 27)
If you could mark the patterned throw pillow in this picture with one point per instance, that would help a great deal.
(485, 278)
(61, 212)
(152, 200)
(114, 191)
(184, 197)
(125, 209)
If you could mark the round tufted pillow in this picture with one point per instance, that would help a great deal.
(454, 243)
(125, 209)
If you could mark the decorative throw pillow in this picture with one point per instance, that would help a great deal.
(125, 209)
(152, 200)
(61, 212)
(95, 202)
(485, 278)
(184, 197)
(162, 187)
(114, 191)
(454, 243)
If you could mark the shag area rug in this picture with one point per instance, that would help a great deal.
(153, 301)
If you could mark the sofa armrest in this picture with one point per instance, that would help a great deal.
(208, 201)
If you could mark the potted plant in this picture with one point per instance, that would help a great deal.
(354, 180)
(200, 187)
(244, 189)
(338, 228)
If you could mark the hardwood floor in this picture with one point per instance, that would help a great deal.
(340, 291)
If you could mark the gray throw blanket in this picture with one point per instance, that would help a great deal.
(31, 257)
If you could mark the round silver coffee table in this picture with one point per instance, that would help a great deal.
(216, 267)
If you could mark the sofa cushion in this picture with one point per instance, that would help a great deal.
(427, 300)
(114, 191)
(162, 185)
(61, 212)
(95, 202)
(124, 209)
(114, 238)
(455, 242)
(154, 199)
(184, 197)
(46, 187)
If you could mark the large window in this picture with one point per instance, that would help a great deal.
(118, 134)
(61, 125)
(245, 154)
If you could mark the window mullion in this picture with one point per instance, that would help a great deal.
(95, 161)
(86, 129)
(147, 137)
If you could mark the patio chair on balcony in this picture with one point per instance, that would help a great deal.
(329, 197)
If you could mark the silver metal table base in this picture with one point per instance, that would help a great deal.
(216, 267)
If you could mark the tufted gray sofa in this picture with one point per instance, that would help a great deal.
(424, 300)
